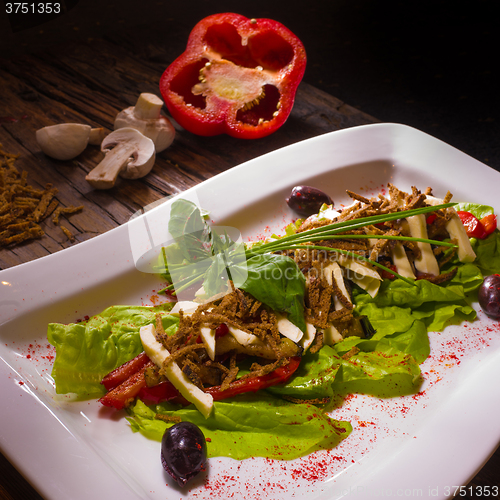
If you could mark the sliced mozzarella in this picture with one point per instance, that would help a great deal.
(331, 335)
(158, 354)
(328, 213)
(288, 329)
(208, 337)
(333, 272)
(400, 260)
(200, 293)
(457, 232)
(244, 338)
(364, 276)
(308, 337)
(426, 262)
(187, 307)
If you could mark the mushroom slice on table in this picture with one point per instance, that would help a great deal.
(146, 117)
(128, 154)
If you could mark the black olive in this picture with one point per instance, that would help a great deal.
(183, 451)
(489, 296)
(307, 200)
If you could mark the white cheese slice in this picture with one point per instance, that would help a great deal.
(187, 307)
(426, 262)
(331, 335)
(364, 276)
(208, 337)
(308, 337)
(333, 272)
(400, 260)
(158, 354)
(244, 338)
(457, 232)
(288, 329)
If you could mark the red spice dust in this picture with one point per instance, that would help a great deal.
(38, 352)
(282, 479)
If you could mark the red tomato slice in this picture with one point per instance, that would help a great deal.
(472, 225)
(489, 223)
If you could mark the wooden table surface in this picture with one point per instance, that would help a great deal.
(89, 83)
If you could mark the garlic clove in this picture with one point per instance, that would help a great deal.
(64, 141)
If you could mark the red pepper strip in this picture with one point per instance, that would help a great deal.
(123, 372)
(254, 384)
(164, 391)
(473, 227)
(122, 395)
(237, 76)
(135, 386)
(430, 219)
(489, 223)
(386, 275)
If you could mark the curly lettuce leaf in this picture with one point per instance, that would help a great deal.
(87, 351)
(253, 425)
(383, 368)
(398, 303)
(488, 254)
(475, 209)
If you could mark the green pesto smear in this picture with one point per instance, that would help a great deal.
(267, 423)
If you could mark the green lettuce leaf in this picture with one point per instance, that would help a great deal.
(253, 425)
(488, 254)
(87, 351)
(475, 209)
(398, 303)
(314, 377)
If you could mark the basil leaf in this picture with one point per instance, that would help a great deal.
(189, 230)
(276, 280)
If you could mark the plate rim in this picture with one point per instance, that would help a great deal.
(394, 133)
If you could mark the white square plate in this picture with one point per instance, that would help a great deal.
(423, 445)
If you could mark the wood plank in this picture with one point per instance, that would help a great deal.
(90, 83)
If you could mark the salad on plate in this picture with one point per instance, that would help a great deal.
(278, 331)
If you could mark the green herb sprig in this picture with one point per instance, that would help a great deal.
(303, 240)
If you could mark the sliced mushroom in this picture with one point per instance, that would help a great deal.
(64, 141)
(128, 154)
(146, 117)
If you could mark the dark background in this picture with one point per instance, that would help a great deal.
(427, 64)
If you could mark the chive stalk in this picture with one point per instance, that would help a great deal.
(336, 230)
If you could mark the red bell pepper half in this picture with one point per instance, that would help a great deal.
(237, 76)
(489, 223)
